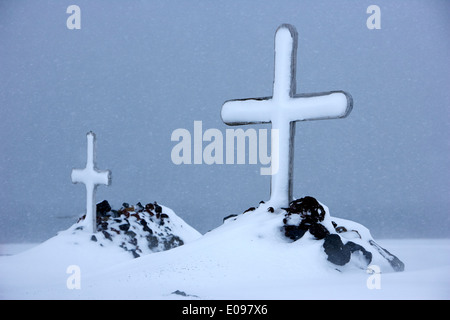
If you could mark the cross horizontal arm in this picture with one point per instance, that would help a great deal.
(247, 111)
(318, 106)
(91, 176)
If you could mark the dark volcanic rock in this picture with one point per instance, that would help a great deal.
(335, 250)
(340, 253)
(158, 208)
(229, 217)
(308, 215)
(103, 208)
(308, 208)
(305, 214)
(138, 229)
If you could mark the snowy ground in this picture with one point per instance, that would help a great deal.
(242, 259)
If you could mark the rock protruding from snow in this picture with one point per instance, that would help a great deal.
(305, 214)
(139, 229)
(308, 223)
(343, 241)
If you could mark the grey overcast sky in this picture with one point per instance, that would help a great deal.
(138, 70)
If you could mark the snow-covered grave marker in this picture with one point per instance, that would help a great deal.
(91, 178)
(282, 110)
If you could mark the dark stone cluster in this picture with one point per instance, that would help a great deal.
(309, 214)
(133, 227)
(340, 253)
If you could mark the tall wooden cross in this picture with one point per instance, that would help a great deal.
(91, 177)
(282, 110)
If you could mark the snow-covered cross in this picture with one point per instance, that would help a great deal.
(282, 110)
(91, 177)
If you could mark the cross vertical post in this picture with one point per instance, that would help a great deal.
(283, 110)
(91, 178)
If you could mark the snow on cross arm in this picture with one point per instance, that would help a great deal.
(91, 178)
(282, 110)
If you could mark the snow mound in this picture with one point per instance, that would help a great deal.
(342, 244)
(249, 256)
(138, 229)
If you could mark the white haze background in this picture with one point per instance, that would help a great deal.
(138, 70)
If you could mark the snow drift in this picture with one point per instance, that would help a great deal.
(248, 257)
